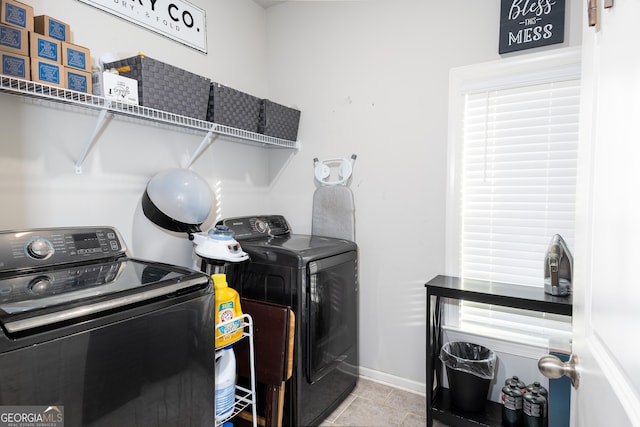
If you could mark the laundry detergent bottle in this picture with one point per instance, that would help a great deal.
(225, 382)
(227, 307)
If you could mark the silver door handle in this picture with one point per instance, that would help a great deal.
(552, 367)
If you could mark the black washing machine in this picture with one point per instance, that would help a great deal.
(91, 337)
(317, 277)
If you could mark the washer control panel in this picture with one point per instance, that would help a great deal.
(55, 246)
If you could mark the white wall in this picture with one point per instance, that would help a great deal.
(371, 78)
(40, 144)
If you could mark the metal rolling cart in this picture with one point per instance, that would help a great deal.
(243, 396)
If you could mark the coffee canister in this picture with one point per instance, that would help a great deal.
(521, 385)
(534, 409)
(512, 399)
(536, 386)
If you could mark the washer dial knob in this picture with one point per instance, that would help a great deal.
(261, 226)
(39, 249)
(40, 285)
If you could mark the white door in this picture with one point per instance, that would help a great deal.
(607, 248)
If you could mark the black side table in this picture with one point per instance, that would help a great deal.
(438, 401)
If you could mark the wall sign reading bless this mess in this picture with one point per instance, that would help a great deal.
(177, 19)
(525, 24)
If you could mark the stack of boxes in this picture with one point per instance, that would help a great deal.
(16, 21)
(39, 49)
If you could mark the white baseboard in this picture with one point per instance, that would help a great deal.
(392, 380)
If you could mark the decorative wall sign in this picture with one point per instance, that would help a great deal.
(525, 24)
(177, 19)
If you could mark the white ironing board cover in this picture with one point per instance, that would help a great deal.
(333, 212)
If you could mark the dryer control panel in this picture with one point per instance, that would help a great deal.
(252, 227)
(55, 246)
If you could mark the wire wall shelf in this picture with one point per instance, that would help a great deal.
(15, 86)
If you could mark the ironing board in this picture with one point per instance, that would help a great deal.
(333, 212)
(333, 207)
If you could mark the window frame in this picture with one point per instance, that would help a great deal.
(527, 69)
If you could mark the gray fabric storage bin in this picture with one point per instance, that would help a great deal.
(166, 87)
(278, 121)
(231, 107)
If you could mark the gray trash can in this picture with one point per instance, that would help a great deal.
(470, 370)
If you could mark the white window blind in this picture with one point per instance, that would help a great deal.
(518, 180)
(517, 189)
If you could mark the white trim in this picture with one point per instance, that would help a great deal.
(393, 381)
(557, 73)
(497, 344)
(533, 68)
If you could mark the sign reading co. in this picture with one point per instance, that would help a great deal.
(525, 24)
(177, 19)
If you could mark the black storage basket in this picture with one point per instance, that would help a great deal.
(166, 87)
(231, 107)
(279, 121)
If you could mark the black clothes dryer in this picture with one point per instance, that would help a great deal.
(317, 277)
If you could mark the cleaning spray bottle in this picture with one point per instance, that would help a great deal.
(227, 307)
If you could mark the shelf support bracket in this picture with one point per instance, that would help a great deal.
(102, 117)
(208, 139)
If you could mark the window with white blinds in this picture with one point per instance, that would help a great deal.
(516, 188)
(518, 179)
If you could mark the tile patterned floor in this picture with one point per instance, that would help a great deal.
(374, 404)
